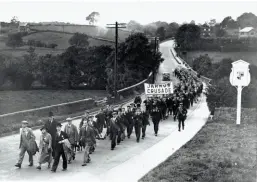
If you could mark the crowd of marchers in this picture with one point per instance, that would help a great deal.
(118, 124)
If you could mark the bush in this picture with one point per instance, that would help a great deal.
(14, 40)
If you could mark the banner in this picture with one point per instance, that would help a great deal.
(158, 89)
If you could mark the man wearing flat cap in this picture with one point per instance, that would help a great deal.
(181, 116)
(114, 129)
(60, 139)
(50, 126)
(45, 148)
(138, 119)
(89, 139)
(72, 132)
(129, 117)
(26, 135)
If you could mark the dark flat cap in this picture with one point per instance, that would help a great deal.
(51, 114)
(43, 127)
(59, 124)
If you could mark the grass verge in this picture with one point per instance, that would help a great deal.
(12, 101)
(220, 152)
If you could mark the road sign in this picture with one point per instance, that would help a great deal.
(239, 77)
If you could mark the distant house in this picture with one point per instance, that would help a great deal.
(23, 27)
(206, 31)
(247, 32)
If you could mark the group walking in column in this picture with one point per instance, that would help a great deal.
(119, 125)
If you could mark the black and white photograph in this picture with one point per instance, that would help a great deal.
(128, 91)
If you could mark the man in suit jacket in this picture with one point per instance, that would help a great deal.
(72, 132)
(89, 140)
(50, 126)
(26, 135)
(59, 151)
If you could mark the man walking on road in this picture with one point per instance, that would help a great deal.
(26, 135)
(72, 133)
(181, 116)
(156, 117)
(114, 129)
(129, 116)
(59, 150)
(89, 134)
(50, 126)
(138, 119)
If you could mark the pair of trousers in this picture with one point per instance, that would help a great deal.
(181, 122)
(129, 129)
(113, 139)
(138, 132)
(71, 152)
(86, 154)
(119, 137)
(23, 150)
(156, 126)
(143, 130)
(57, 156)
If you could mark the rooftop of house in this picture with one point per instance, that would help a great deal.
(246, 29)
(22, 24)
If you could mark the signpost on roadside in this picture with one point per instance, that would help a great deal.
(240, 78)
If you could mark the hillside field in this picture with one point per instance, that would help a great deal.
(250, 57)
(61, 39)
(12, 101)
(220, 152)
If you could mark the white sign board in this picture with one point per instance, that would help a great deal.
(240, 75)
(158, 89)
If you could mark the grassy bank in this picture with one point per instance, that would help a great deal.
(220, 152)
(250, 57)
(12, 101)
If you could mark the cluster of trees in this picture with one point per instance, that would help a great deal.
(163, 30)
(83, 65)
(221, 93)
(188, 39)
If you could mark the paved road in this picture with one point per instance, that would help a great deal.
(169, 63)
(102, 160)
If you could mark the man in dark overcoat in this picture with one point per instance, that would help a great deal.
(50, 126)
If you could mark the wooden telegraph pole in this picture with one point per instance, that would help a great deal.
(116, 26)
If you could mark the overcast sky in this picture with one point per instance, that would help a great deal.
(141, 11)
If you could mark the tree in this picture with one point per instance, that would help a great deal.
(192, 22)
(135, 26)
(79, 40)
(52, 71)
(160, 32)
(221, 69)
(92, 17)
(187, 35)
(202, 65)
(14, 40)
(212, 22)
(220, 32)
(247, 20)
(223, 94)
(136, 60)
(229, 22)
(172, 30)
(14, 20)
(92, 64)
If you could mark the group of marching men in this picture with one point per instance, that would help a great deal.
(119, 124)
